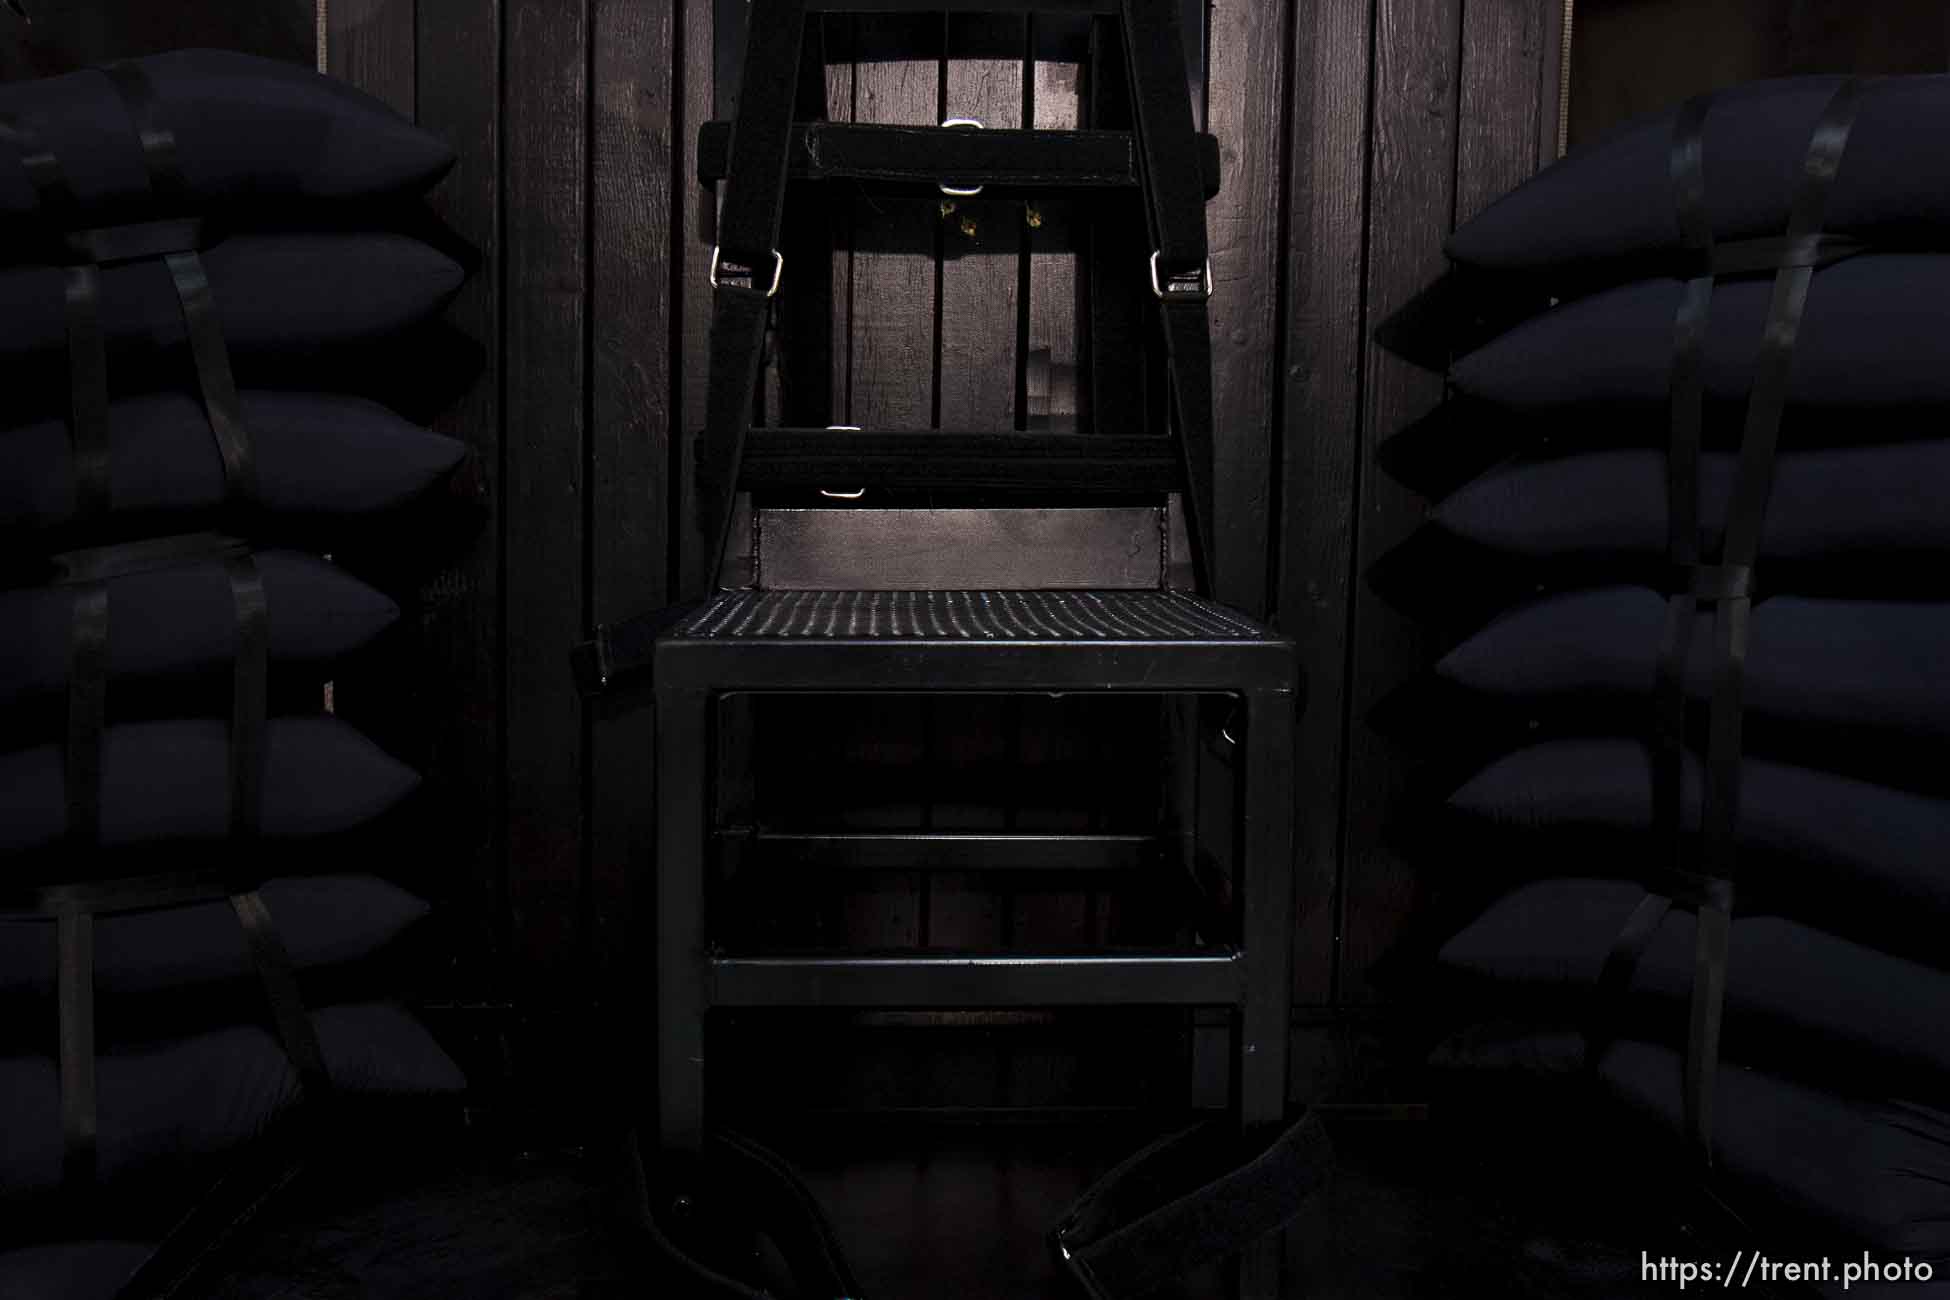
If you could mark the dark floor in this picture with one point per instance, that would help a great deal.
(1410, 1212)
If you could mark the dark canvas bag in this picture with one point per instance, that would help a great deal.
(253, 136)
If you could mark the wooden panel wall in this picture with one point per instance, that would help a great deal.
(1354, 132)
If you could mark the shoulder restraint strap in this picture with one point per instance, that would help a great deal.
(1180, 269)
(747, 262)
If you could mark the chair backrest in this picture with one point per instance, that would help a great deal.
(808, 508)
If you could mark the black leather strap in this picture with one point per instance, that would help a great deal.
(1753, 485)
(87, 391)
(1188, 1200)
(75, 1031)
(748, 235)
(280, 982)
(250, 672)
(137, 241)
(687, 1208)
(1167, 141)
(87, 715)
(1119, 337)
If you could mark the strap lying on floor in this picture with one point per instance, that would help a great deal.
(691, 1208)
(1185, 1201)
(1727, 585)
(1188, 1200)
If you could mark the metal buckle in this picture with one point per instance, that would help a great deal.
(856, 493)
(1203, 292)
(966, 123)
(778, 269)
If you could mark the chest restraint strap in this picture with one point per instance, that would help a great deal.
(1700, 873)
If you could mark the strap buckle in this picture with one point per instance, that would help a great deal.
(961, 123)
(734, 271)
(851, 494)
(1192, 286)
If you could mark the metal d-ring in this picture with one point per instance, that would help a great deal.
(778, 269)
(1205, 282)
(856, 493)
(964, 123)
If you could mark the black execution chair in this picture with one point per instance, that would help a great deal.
(1066, 595)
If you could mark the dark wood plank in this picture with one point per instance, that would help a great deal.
(696, 216)
(1410, 203)
(544, 488)
(632, 234)
(1061, 46)
(460, 610)
(1498, 122)
(897, 69)
(1554, 80)
(62, 38)
(373, 45)
(892, 348)
(1321, 456)
(1248, 57)
(981, 242)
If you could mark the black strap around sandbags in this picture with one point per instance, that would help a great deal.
(1188, 1200)
(174, 239)
(1701, 874)
(208, 353)
(73, 906)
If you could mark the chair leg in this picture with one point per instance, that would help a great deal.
(1266, 859)
(682, 759)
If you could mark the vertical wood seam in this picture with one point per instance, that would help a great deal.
(1338, 979)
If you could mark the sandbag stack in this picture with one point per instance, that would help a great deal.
(1704, 832)
(192, 959)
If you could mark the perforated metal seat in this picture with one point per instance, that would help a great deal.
(1146, 616)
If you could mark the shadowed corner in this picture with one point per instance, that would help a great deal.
(1454, 443)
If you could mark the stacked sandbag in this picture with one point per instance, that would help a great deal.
(1677, 749)
(197, 952)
